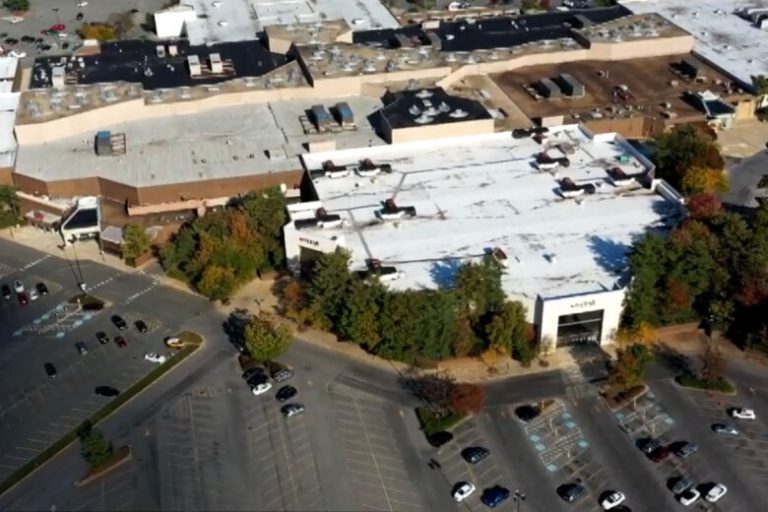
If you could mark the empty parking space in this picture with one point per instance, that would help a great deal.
(375, 466)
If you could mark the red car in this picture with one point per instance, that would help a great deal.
(659, 454)
(120, 342)
(23, 299)
(57, 27)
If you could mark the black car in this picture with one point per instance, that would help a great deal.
(474, 454)
(494, 496)
(527, 413)
(141, 326)
(79, 16)
(438, 439)
(106, 391)
(119, 322)
(686, 449)
(6, 292)
(42, 289)
(285, 393)
(251, 373)
(571, 492)
(50, 370)
(27, 39)
(11, 41)
(278, 371)
(102, 337)
(648, 445)
(257, 379)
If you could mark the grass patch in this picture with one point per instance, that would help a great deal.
(688, 380)
(190, 337)
(431, 422)
(117, 459)
(98, 416)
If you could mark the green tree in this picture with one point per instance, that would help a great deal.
(266, 210)
(507, 328)
(16, 5)
(647, 262)
(264, 340)
(684, 147)
(94, 447)
(760, 85)
(136, 242)
(217, 283)
(329, 284)
(478, 287)
(359, 318)
(629, 369)
(464, 340)
(9, 200)
(712, 365)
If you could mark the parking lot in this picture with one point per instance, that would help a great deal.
(36, 410)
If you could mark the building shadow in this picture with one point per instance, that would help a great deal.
(443, 272)
(610, 255)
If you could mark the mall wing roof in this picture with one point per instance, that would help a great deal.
(219, 143)
(722, 35)
(477, 193)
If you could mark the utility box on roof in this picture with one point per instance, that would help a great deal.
(547, 88)
(344, 114)
(194, 65)
(103, 143)
(690, 68)
(57, 77)
(216, 65)
(321, 117)
(569, 85)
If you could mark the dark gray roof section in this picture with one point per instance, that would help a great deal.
(406, 109)
(493, 32)
(138, 61)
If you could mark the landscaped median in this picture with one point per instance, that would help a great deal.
(192, 343)
(720, 385)
(432, 422)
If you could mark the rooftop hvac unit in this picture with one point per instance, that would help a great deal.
(57, 77)
(216, 65)
(194, 65)
(458, 114)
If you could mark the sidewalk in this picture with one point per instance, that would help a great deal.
(258, 295)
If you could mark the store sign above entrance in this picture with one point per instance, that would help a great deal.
(583, 304)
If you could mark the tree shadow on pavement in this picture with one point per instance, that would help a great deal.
(672, 359)
(234, 327)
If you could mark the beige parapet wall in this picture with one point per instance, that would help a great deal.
(134, 110)
(441, 131)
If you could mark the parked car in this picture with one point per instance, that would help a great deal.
(291, 410)
(438, 439)
(82, 348)
(689, 497)
(571, 492)
(33, 295)
(120, 342)
(727, 430)
(118, 321)
(42, 289)
(6, 290)
(79, 16)
(716, 492)
(278, 371)
(18, 286)
(494, 496)
(612, 500)
(50, 370)
(255, 373)
(285, 393)
(463, 490)
(23, 299)
(648, 445)
(106, 391)
(259, 388)
(742, 413)
(527, 413)
(16, 54)
(681, 485)
(152, 357)
(141, 326)
(474, 454)
(686, 449)
(660, 454)
(102, 337)
(174, 342)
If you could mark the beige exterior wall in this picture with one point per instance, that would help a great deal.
(6, 176)
(641, 48)
(441, 131)
(278, 45)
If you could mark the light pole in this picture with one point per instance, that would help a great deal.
(519, 497)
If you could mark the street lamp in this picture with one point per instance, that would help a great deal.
(519, 497)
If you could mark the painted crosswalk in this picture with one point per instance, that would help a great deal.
(34, 262)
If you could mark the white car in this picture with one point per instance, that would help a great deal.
(716, 492)
(689, 497)
(743, 413)
(613, 500)
(261, 388)
(155, 358)
(82, 4)
(33, 295)
(174, 342)
(18, 286)
(17, 54)
(463, 491)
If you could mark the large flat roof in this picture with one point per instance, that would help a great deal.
(653, 83)
(235, 20)
(215, 144)
(476, 193)
(9, 103)
(722, 35)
